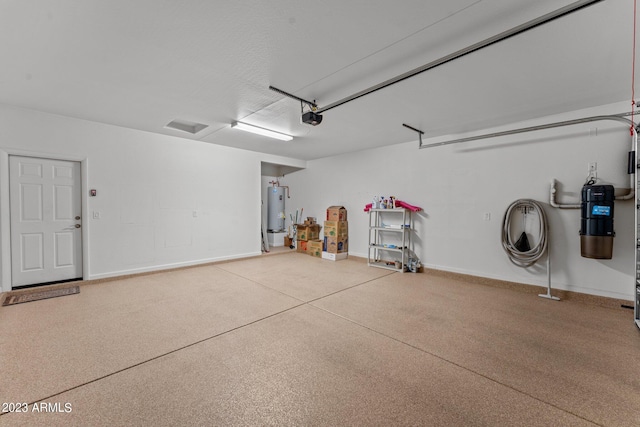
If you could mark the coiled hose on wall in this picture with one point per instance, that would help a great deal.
(530, 257)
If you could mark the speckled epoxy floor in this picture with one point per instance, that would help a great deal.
(295, 340)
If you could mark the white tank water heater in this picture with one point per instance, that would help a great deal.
(275, 209)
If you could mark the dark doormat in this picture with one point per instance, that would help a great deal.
(21, 297)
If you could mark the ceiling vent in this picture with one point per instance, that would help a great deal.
(186, 126)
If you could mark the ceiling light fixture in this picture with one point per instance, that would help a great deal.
(261, 131)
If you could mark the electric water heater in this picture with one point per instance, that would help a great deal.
(275, 209)
(596, 224)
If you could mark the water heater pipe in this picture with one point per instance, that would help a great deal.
(276, 183)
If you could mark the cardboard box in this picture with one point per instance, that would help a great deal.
(301, 246)
(310, 221)
(334, 257)
(288, 241)
(307, 232)
(336, 228)
(314, 248)
(336, 213)
(336, 245)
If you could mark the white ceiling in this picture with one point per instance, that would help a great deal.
(143, 63)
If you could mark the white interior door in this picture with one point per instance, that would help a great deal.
(46, 234)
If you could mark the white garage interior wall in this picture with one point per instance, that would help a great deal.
(163, 201)
(166, 202)
(457, 185)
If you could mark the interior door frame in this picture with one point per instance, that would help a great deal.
(5, 210)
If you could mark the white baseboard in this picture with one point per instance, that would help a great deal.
(168, 266)
(536, 282)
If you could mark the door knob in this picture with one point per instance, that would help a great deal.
(77, 218)
(78, 225)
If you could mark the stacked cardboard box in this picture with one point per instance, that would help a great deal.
(301, 246)
(336, 213)
(314, 248)
(305, 233)
(336, 231)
